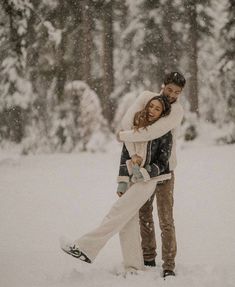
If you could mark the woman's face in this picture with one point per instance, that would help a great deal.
(154, 110)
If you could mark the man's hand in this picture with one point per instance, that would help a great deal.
(136, 159)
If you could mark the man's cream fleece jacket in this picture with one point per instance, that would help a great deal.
(156, 130)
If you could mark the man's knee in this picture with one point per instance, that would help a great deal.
(148, 206)
(166, 223)
(146, 213)
(165, 214)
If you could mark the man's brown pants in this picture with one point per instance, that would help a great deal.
(165, 202)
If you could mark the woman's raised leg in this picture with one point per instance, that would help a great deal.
(125, 208)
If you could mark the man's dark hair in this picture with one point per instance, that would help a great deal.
(175, 78)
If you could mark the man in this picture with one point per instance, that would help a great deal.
(174, 83)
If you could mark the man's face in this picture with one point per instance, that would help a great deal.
(172, 92)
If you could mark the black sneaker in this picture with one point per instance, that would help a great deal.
(168, 273)
(150, 263)
(73, 251)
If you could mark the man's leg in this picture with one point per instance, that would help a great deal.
(165, 202)
(147, 230)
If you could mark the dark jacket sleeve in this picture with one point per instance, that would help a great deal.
(160, 162)
(123, 171)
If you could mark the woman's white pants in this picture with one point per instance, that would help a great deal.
(123, 216)
(131, 244)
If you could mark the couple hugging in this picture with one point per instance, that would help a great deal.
(147, 164)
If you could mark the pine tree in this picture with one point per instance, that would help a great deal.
(83, 115)
(47, 68)
(153, 41)
(211, 49)
(16, 90)
(228, 67)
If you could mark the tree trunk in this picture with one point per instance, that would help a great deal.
(193, 55)
(107, 60)
(60, 52)
(86, 41)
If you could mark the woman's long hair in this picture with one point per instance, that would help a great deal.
(141, 118)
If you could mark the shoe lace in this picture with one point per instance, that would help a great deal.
(74, 250)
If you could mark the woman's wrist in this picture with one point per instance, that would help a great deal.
(136, 159)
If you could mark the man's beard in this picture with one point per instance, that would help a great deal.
(170, 99)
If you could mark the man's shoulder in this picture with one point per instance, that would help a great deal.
(177, 108)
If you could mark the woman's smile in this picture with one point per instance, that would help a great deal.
(154, 110)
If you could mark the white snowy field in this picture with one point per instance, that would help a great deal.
(45, 196)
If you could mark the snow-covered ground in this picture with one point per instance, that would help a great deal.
(45, 196)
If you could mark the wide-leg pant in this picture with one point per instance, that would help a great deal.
(120, 214)
(130, 242)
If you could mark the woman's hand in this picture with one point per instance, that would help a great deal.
(137, 175)
(121, 189)
(136, 159)
(118, 136)
(119, 194)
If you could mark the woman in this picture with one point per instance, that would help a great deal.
(154, 167)
(150, 160)
(157, 107)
